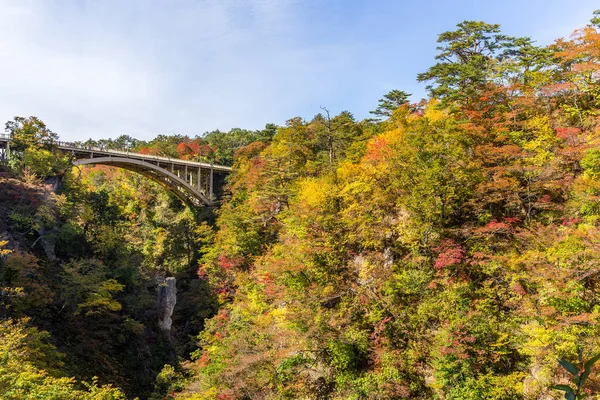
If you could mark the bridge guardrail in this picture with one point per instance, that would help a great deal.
(126, 152)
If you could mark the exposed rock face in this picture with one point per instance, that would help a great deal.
(54, 183)
(48, 242)
(388, 258)
(167, 297)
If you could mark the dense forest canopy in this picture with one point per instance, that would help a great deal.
(446, 249)
(216, 147)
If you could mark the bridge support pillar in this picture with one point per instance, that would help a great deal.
(198, 182)
(210, 184)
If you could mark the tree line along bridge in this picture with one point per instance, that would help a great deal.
(196, 183)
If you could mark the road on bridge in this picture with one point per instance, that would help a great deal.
(194, 182)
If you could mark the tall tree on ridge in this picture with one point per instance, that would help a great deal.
(390, 101)
(466, 60)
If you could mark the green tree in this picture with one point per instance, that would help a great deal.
(390, 101)
(225, 144)
(32, 147)
(126, 142)
(466, 60)
(595, 21)
(29, 132)
(24, 354)
(334, 134)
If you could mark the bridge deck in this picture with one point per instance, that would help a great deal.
(91, 152)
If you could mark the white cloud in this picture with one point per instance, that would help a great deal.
(101, 68)
(79, 86)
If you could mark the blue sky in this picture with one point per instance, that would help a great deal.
(101, 68)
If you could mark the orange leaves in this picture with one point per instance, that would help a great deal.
(250, 151)
(583, 50)
(377, 149)
(383, 147)
(484, 215)
(184, 149)
(570, 134)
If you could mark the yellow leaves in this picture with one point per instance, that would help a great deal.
(502, 345)
(540, 126)
(210, 394)
(281, 315)
(102, 299)
(13, 335)
(4, 251)
(314, 192)
(544, 345)
(204, 234)
(565, 252)
(434, 113)
(256, 300)
(543, 140)
(160, 243)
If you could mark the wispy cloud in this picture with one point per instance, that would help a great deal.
(56, 72)
(98, 68)
(95, 68)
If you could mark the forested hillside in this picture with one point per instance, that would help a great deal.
(444, 249)
(84, 253)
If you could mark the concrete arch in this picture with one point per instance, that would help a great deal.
(167, 179)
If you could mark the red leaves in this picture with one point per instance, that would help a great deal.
(450, 253)
(461, 345)
(505, 226)
(226, 396)
(378, 336)
(267, 280)
(518, 289)
(568, 221)
(495, 226)
(190, 149)
(184, 149)
(230, 263)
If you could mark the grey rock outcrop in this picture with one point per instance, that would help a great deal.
(167, 297)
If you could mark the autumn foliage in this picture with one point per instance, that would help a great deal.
(450, 251)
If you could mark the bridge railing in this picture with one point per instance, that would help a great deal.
(125, 152)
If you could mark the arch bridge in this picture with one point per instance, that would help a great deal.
(193, 182)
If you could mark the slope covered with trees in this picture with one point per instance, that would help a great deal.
(84, 253)
(448, 249)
